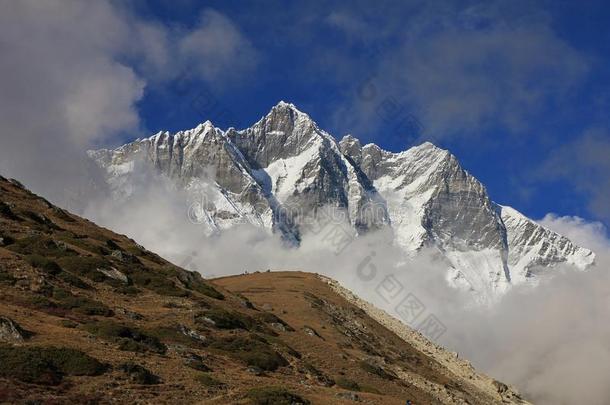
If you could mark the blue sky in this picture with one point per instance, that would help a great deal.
(518, 90)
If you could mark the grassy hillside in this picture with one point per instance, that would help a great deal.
(89, 316)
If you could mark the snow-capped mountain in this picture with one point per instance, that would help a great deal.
(280, 172)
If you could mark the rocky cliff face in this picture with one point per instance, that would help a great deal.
(280, 172)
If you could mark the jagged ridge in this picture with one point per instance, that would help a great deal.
(285, 161)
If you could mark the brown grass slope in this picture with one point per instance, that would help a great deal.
(89, 316)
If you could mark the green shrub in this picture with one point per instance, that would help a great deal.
(80, 242)
(253, 350)
(42, 246)
(80, 304)
(67, 323)
(127, 290)
(208, 381)
(223, 319)
(271, 318)
(311, 370)
(6, 278)
(128, 338)
(89, 267)
(72, 280)
(37, 302)
(376, 370)
(206, 289)
(46, 265)
(196, 363)
(6, 240)
(139, 375)
(63, 215)
(171, 334)
(46, 365)
(155, 281)
(368, 388)
(74, 362)
(40, 219)
(274, 396)
(193, 281)
(112, 244)
(130, 345)
(85, 266)
(7, 212)
(166, 287)
(284, 346)
(347, 384)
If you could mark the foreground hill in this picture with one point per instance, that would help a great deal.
(89, 316)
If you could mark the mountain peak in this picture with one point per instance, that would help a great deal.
(286, 120)
(284, 108)
(350, 140)
(429, 147)
(430, 198)
(285, 104)
(430, 151)
(204, 125)
(428, 144)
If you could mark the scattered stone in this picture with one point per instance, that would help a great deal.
(311, 331)
(117, 254)
(114, 274)
(278, 326)
(6, 240)
(130, 314)
(313, 373)
(257, 371)
(195, 361)
(39, 218)
(61, 245)
(267, 307)
(11, 332)
(208, 320)
(6, 211)
(124, 256)
(191, 333)
(244, 302)
(16, 183)
(500, 387)
(139, 375)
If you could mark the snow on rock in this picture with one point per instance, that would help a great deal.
(284, 168)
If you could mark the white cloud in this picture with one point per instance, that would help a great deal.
(72, 73)
(551, 341)
(216, 46)
(103, 102)
(592, 235)
(584, 164)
